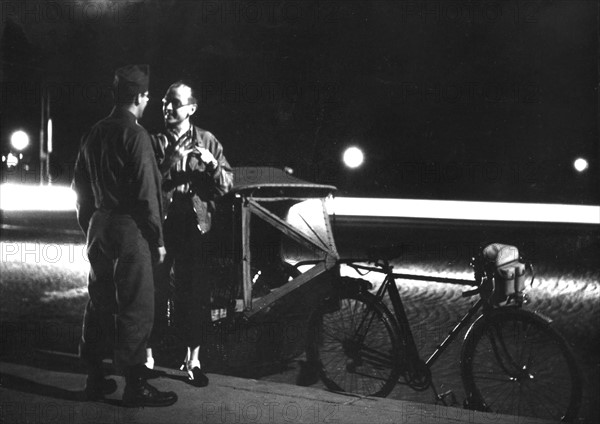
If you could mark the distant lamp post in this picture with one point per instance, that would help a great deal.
(580, 164)
(49, 147)
(19, 140)
(353, 157)
(11, 161)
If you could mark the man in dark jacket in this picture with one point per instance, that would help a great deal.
(195, 173)
(119, 209)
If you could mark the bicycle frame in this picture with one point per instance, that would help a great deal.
(499, 365)
(402, 322)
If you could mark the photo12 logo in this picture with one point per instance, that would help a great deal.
(465, 92)
(269, 412)
(466, 11)
(270, 11)
(54, 12)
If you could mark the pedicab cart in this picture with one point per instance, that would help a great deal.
(272, 257)
(277, 292)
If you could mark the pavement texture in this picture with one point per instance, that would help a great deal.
(37, 395)
(35, 390)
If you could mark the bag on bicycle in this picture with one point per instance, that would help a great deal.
(509, 271)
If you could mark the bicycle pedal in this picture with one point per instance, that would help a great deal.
(452, 398)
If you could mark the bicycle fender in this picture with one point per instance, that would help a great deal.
(498, 311)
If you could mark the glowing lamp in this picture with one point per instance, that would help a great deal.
(19, 140)
(353, 157)
(580, 164)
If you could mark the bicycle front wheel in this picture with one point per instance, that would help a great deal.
(352, 340)
(513, 362)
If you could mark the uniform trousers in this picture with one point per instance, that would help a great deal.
(120, 310)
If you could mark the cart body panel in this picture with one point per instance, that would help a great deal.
(274, 237)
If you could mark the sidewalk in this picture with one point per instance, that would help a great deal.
(34, 395)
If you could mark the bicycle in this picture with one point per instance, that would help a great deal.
(512, 360)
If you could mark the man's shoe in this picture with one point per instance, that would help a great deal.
(200, 379)
(147, 395)
(96, 388)
(138, 392)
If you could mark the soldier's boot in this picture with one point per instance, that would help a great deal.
(138, 392)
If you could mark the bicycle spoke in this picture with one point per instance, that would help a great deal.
(514, 363)
(336, 336)
(357, 347)
(493, 377)
(549, 402)
(501, 401)
(537, 400)
(376, 358)
(370, 376)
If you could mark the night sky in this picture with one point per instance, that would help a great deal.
(473, 100)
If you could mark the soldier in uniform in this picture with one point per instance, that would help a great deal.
(117, 182)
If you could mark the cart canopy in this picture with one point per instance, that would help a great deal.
(264, 181)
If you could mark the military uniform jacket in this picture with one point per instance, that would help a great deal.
(116, 172)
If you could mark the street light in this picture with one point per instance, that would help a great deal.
(19, 140)
(353, 157)
(580, 164)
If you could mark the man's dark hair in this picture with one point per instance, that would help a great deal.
(123, 97)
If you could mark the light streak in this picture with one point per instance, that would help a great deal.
(21, 197)
(466, 210)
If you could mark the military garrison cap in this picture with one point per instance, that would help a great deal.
(130, 81)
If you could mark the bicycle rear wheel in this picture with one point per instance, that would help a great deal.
(513, 362)
(352, 340)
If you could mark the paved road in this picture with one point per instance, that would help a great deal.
(571, 301)
(48, 393)
(568, 294)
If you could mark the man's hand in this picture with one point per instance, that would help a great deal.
(178, 151)
(206, 156)
(181, 151)
(160, 254)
